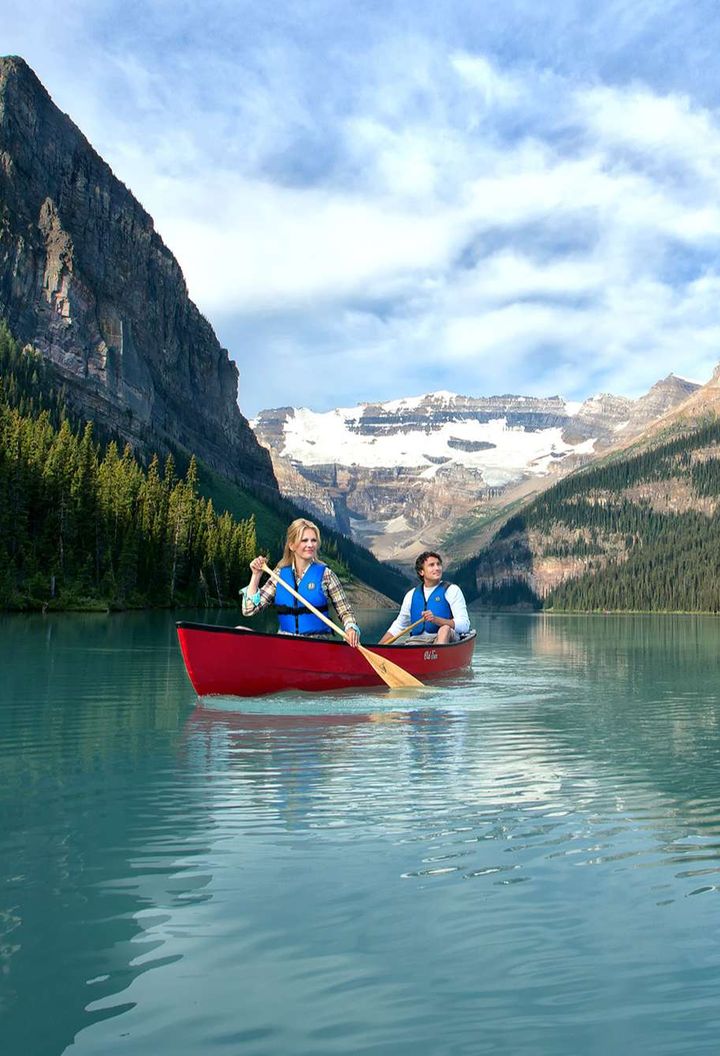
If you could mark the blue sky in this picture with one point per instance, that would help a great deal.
(374, 200)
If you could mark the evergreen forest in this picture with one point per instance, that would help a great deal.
(646, 525)
(83, 524)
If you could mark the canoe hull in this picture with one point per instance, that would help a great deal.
(237, 662)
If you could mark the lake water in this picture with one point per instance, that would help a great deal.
(524, 860)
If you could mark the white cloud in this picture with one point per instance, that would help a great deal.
(658, 127)
(508, 276)
(249, 244)
(489, 203)
(494, 88)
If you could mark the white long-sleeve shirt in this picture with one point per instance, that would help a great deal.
(455, 599)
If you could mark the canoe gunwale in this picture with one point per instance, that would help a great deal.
(284, 638)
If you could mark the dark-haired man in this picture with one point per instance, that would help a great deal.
(440, 605)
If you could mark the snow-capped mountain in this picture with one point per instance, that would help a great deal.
(431, 431)
(400, 475)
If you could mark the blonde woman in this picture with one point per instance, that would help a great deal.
(317, 583)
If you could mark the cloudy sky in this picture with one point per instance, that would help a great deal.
(378, 198)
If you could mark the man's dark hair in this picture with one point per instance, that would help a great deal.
(422, 558)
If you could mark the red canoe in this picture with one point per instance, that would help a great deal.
(238, 662)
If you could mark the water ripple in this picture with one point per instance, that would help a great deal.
(510, 862)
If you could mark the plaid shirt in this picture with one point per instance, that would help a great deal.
(330, 584)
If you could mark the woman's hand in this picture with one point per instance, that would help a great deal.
(353, 638)
(257, 564)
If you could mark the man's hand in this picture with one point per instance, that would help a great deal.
(439, 621)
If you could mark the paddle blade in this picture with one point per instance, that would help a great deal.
(390, 673)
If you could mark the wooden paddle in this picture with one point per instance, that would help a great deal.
(409, 627)
(390, 673)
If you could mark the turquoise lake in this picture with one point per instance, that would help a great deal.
(522, 860)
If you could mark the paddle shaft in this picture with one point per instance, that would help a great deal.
(390, 673)
(405, 630)
(306, 603)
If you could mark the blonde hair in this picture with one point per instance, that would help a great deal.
(293, 537)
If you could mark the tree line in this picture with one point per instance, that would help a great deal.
(664, 560)
(82, 522)
(678, 570)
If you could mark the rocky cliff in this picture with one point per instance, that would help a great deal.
(86, 280)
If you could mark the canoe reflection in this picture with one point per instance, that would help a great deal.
(295, 767)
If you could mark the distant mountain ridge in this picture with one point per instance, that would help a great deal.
(401, 475)
(87, 281)
(640, 529)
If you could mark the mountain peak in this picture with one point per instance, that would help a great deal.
(675, 382)
(16, 74)
(86, 280)
(17, 64)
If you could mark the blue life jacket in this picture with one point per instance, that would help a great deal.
(437, 603)
(293, 617)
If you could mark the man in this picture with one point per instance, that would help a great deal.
(441, 606)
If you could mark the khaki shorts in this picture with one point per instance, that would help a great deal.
(426, 639)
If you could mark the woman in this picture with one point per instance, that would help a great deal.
(309, 577)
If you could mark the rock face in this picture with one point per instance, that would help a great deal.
(545, 555)
(87, 281)
(610, 419)
(408, 474)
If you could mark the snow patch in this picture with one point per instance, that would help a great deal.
(321, 438)
(408, 403)
(587, 447)
(397, 524)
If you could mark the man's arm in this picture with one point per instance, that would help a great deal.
(456, 600)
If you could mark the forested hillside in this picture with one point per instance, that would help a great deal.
(638, 533)
(83, 523)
